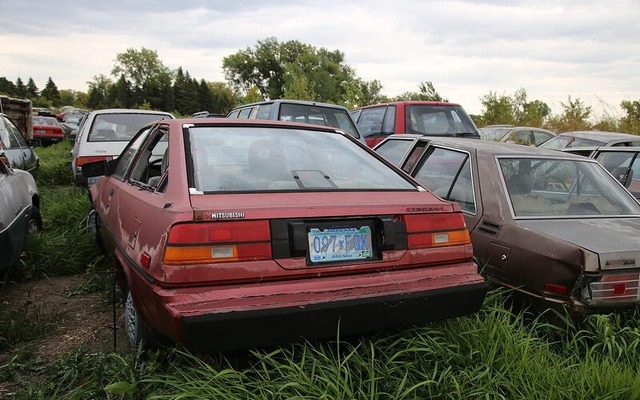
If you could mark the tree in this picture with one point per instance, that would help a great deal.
(21, 89)
(97, 95)
(427, 92)
(631, 121)
(292, 69)
(51, 93)
(186, 93)
(222, 97)
(7, 87)
(31, 91)
(119, 94)
(497, 110)
(149, 78)
(575, 116)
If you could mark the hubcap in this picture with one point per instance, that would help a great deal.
(130, 320)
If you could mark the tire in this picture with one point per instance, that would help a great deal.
(137, 332)
(35, 221)
(93, 223)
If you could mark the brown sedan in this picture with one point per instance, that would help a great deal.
(552, 226)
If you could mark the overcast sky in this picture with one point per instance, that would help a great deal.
(553, 49)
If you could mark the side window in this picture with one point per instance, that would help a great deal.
(540, 136)
(13, 137)
(128, 154)
(244, 113)
(394, 150)
(4, 133)
(388, 125)
(370, 121)
(153, 160)
(414, 156)
(233, 114)
(447, 173)
(521, 137)
(263, 111)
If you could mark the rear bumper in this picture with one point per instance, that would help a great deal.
(227, 318)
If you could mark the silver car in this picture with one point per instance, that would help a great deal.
(19, 212)
(14, 149)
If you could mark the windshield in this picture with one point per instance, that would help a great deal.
(249, 159)
(319, 115)
(120, 126)
(563, 188)
(439, 121)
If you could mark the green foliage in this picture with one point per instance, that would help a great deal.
(295, 70)
(427, 92)
(497, 110)
(495, 353)
(575, 117)
(51, 93)
(631, 121)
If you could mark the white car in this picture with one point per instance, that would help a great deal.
(105, 133)
(19, 213)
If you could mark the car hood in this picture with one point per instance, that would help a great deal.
(616, 241)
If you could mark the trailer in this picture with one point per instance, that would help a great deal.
(19, 111)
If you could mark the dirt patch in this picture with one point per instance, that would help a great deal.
(75, 318)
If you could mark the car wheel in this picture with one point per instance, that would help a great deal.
(137, 332)
(93, 223)
(35, 221)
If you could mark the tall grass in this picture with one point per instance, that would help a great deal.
(495, 354)
(65, 246)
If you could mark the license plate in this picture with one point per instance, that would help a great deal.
(339, 244)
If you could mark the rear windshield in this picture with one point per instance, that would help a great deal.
(319, 115)
(248, 159)
(119, 127)
(439, 121)
(567, 141)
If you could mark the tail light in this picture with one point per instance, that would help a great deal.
(615, 288)
(436, 230)
(80, 161)
(216, 242)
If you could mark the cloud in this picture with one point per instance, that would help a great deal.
(553, 49)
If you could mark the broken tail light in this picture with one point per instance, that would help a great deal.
(216, 242)
(435, 230)
(615, 288)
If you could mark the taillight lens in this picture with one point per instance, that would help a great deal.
(215, 242)
(80, 161)
(436, 230)
(614, 288)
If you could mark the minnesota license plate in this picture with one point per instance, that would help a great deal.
(339, 244)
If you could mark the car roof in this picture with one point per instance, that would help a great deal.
(250, 122)
(129, 111)
(291, 101)
(412, 103)
(600, 135)
(488, 146)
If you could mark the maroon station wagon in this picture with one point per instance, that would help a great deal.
(235, 234)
